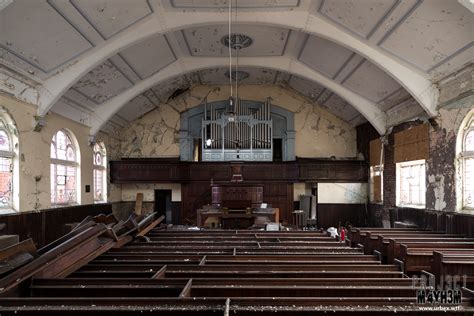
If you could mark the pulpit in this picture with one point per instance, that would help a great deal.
(236, 207)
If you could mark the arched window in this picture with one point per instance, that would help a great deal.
(64, 169)
(466, 163)
(7, 155)
(100, 173)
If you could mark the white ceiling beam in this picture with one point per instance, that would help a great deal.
(412, 79)
(285, 64)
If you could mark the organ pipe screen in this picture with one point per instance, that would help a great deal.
(237, 133)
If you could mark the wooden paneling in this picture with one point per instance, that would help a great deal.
(412, 144)
(197, 194)
(143, 171)
(47, 225)
(332, 170)
(375, 152)
(449, 222)
(249, 196)
(344, 214)
(156, 170)
(197, 178)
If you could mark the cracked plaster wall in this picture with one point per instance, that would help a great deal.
(456, 100)
(19, 89)
(318, 132)
(34, 154)
(441, 169)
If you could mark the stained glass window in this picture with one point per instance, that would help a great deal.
(4, 141)
(468, 168)
(6, 177)
(6, 170)
(63, 169)
(100, 173)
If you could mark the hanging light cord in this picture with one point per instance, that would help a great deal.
(230, 47)
(236, 62)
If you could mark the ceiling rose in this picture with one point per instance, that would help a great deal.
(238, 41)
(238, 75)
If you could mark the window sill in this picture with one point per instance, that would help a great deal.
(6, 211)
(467, 211)
(411, 206)
(376, 202)
(64, 205)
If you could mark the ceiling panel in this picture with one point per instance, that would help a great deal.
(136, 108)
(217, 76)
(434, 32)
(34, 32)
(206, 40)
(282, 78)
(352, 63)
(102, 83)
(340, 108)
(324, 56)
(166, 89)
(109, 17)
(79, 98)
(359, 119)
(70, 13)
(148, 57)
(360, 17)
(394, 99)
(371, 82)
(307, 88)
(201, 4)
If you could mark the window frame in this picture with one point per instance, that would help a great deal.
(102, 168)
(66, 163)
(372, 174)
(464, 155)
(10, 154)
(422, 184)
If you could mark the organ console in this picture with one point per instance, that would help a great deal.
(236, 207)
(238, 133)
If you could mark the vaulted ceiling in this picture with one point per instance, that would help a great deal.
(111, 61)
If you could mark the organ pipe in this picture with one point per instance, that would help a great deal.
(250, 130)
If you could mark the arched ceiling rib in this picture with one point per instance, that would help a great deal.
(186, 65)
(410, 40)
(415, 82)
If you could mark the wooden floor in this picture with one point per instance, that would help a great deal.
(228, 273)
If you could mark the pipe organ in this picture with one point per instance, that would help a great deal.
(238, 133)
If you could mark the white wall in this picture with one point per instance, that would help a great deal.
(129, 191)
(34, 155)
(343, 193)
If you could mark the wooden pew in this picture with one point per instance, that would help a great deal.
(17, 255)
(226, 272)
(370, 239)
(383, 242)
(453, 264)
(394, 245)
(356, 233)
(417, 258)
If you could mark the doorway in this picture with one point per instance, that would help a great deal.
(277, 149)
(163, 204)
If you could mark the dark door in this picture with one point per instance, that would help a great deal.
(277, 149)
(163, 204)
